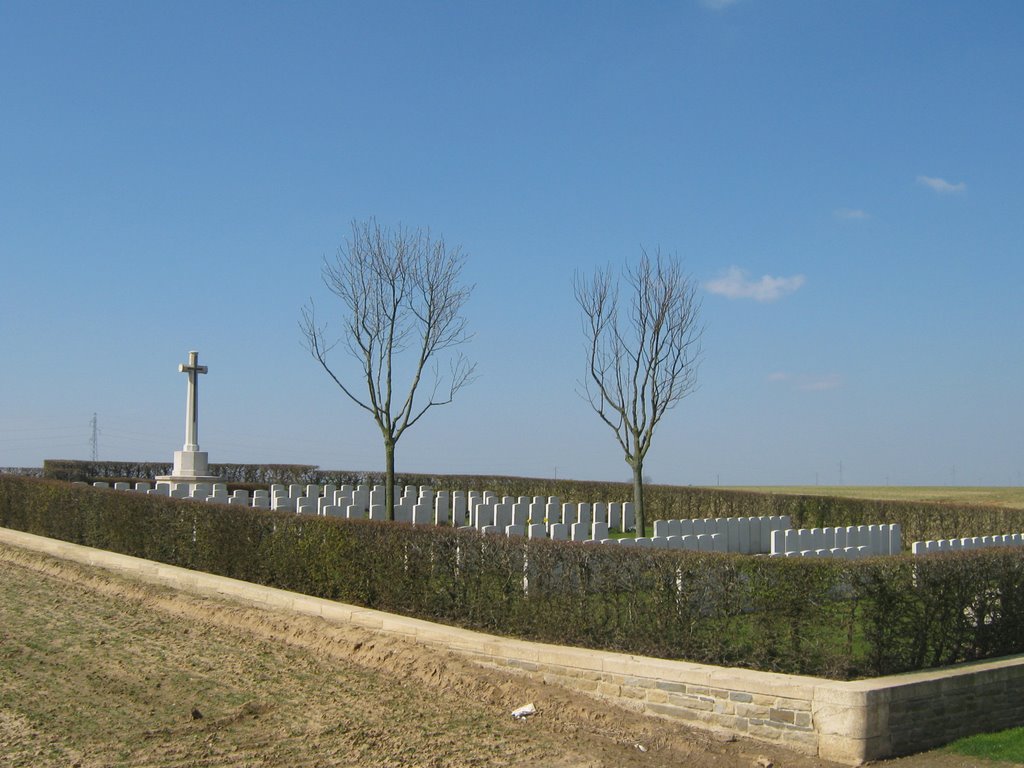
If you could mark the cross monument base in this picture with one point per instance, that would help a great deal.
(190, 467)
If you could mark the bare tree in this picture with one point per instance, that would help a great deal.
(640, 362)
(403, 304)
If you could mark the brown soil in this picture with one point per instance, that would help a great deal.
(100, 670)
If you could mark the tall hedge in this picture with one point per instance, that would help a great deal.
(821, 617)
(73, 470)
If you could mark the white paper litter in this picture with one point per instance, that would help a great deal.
(524, 711)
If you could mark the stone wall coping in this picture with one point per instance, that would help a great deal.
(893, 682)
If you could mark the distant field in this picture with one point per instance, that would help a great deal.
(1012, 497)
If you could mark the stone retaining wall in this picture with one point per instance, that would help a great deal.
(848, 722)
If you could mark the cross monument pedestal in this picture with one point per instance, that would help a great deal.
(190, 464)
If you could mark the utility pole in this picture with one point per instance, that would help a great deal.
(95, 439)
(840, 473)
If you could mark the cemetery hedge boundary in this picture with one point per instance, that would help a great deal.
(919, 521)
(826, 618)
(240, 475)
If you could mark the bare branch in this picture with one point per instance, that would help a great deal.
(403, 306)
(641, 363)
(315, 335)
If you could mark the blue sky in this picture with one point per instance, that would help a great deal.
(841, 178)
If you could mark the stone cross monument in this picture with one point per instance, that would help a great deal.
(193, 369)
(191, 464)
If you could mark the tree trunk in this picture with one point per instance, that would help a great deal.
(389, 478)
(638, 497)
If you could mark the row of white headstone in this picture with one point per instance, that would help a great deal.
(548, 517)
(972, 542)
(846, 542)
(745, 535)
(536, 517)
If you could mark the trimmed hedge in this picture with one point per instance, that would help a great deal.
(72, 470)
(831, 618)
(22, 471)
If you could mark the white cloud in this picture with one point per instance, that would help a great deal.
(850, 213)
(735, 284)
(778, 376)
(941, 185)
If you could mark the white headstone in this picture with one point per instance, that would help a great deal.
(732, 534)
(559, 532)
(503, 514)
(483, 515)
(459, 508)
(422, 514)
(403, 511)
(442, 508)
(615, 516)
(553, 512)
(538, 511)
(755, 535)
(745, 529)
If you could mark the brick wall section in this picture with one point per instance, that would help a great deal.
(777, 710)
(926, 710)
(848, 722)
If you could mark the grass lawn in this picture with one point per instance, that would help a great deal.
(1012, 496)
(1007, 746)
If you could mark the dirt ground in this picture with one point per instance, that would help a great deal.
(101, 670)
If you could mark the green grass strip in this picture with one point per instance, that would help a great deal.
(1007, 746)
